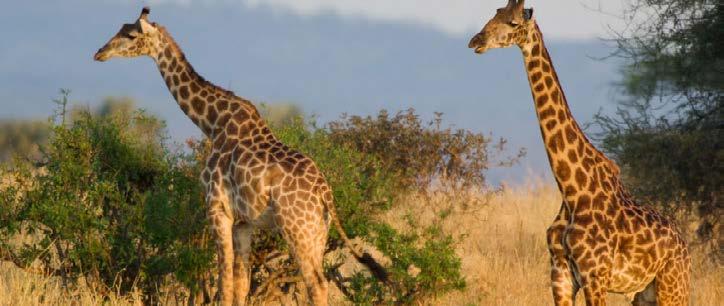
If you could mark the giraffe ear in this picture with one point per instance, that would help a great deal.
(143, 23)
(144, 13)
(145, 26)
(528, 13)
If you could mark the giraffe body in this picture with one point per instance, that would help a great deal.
(252, 180)
(600, 241)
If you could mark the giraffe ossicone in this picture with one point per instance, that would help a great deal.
(601, 241)
(252, 180)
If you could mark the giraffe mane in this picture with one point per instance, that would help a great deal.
(175, 48)
(614, 167)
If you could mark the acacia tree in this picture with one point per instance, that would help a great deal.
(667, 131)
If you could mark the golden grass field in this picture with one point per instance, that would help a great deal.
(502, 246)
(504, 256)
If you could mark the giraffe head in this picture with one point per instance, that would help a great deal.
(132, 40)
(510, 25)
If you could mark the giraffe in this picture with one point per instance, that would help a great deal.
(252, 180)
(600, 241)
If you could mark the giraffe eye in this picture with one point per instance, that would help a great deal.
(130, 36)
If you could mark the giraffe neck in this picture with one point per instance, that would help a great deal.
(206, 104)
(581, 171)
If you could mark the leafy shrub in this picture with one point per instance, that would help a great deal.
(430, 251)
(362, 189)
(419, 154)
(111, 204)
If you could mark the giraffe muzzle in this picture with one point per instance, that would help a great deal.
(478, 43)
(100, 56)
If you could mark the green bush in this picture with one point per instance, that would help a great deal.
(109, 205)
(362, 188)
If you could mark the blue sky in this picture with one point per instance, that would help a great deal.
(328, 56)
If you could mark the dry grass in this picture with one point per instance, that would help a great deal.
(503, 251)
(503, 246)
(21, 288)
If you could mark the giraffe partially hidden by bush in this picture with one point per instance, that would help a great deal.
(601, 241)
(252, 180)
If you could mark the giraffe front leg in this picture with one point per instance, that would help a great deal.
(595, 276)
(314, 279)
(563, 284)
(594, 289)
(242, 247)
(590, 254)
(312, 268)
(221, 225)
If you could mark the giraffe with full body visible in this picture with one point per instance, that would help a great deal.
(601, 241)
(252, 180)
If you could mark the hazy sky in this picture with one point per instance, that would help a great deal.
(572, 19)
(327, 56)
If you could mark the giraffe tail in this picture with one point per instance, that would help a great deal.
(378, 271)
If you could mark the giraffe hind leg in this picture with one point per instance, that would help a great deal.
(307, 237)
(672, 283)
(242, 247)
(313, 273)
